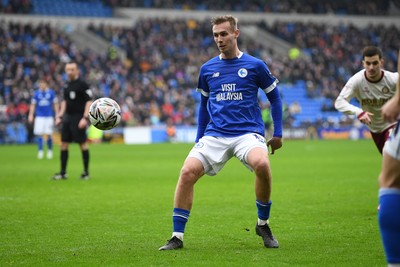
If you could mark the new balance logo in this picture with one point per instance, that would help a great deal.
(216, 74)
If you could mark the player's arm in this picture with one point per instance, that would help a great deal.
(84, 122)
(343, 105)
(56, 108)
(32, 108)
(276, 112)
(61, 112)
(203, 118)
(391, 110)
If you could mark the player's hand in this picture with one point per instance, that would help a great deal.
(57, 121)
(365, 117)
(391, 110)
(30, 119)
(275, 143)
(83, 123)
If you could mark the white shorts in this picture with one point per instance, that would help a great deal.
(392, 145)
(214, 152)
(43, 125)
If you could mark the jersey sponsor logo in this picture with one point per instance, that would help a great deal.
(215, 74)
(228, 92)
(229, 96)
(228, 87)
(43, 102)
(376, 102)
(242, 73)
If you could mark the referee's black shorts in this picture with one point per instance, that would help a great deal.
(69, 129)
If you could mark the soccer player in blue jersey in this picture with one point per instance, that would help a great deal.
(43, 108)
(389, 183)
(230, 124)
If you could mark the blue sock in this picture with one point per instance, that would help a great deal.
(389, 222)
(50, 143)
(180, 218)
(263, 209)
(40, 142)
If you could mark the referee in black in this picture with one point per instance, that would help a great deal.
(73, 117)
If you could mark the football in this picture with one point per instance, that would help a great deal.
(104, 113)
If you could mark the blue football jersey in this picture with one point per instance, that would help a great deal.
(231, 86)
(44, 101)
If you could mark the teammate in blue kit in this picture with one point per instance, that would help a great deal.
(389, 183)
(43, 108)
(230, 124)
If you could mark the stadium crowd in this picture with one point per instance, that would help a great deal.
(334, 51)
(16, 6)
(343, 7)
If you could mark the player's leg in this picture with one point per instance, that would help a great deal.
(389, 213)
(66, 138)
(258, 160)
(38, 132)
(49, 136)
(80, 136)
(208, 156)
(40, 140)
(49, 146)
(85, 159)
(190, 173)
(381, 138)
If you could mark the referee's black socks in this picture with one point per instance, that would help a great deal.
(85, 157)
(64, 160)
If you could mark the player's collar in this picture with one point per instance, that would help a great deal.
(240, 55)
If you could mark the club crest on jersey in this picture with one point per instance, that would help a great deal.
(385, 90)
(242, 73)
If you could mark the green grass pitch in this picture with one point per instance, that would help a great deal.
(324, 210)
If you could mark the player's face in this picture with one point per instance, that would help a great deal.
(42, 86)
(372, 67)
(72, 71)
(225, 38)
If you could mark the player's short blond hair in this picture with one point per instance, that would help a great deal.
(221, 19)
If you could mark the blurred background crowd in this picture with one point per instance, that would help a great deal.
(154, 83)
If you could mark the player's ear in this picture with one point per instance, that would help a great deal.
(237, 33)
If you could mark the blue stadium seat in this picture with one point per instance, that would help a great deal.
(93, 8)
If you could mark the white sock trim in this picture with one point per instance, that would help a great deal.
(178, 235)
(262, 222)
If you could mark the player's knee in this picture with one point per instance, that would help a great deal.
(260, 165)
(188, 175)
(64, 146)
(389, 180)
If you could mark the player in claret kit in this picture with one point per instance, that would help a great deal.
(230, 124)
(372, 87)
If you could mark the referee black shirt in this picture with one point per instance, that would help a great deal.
(76, 94)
